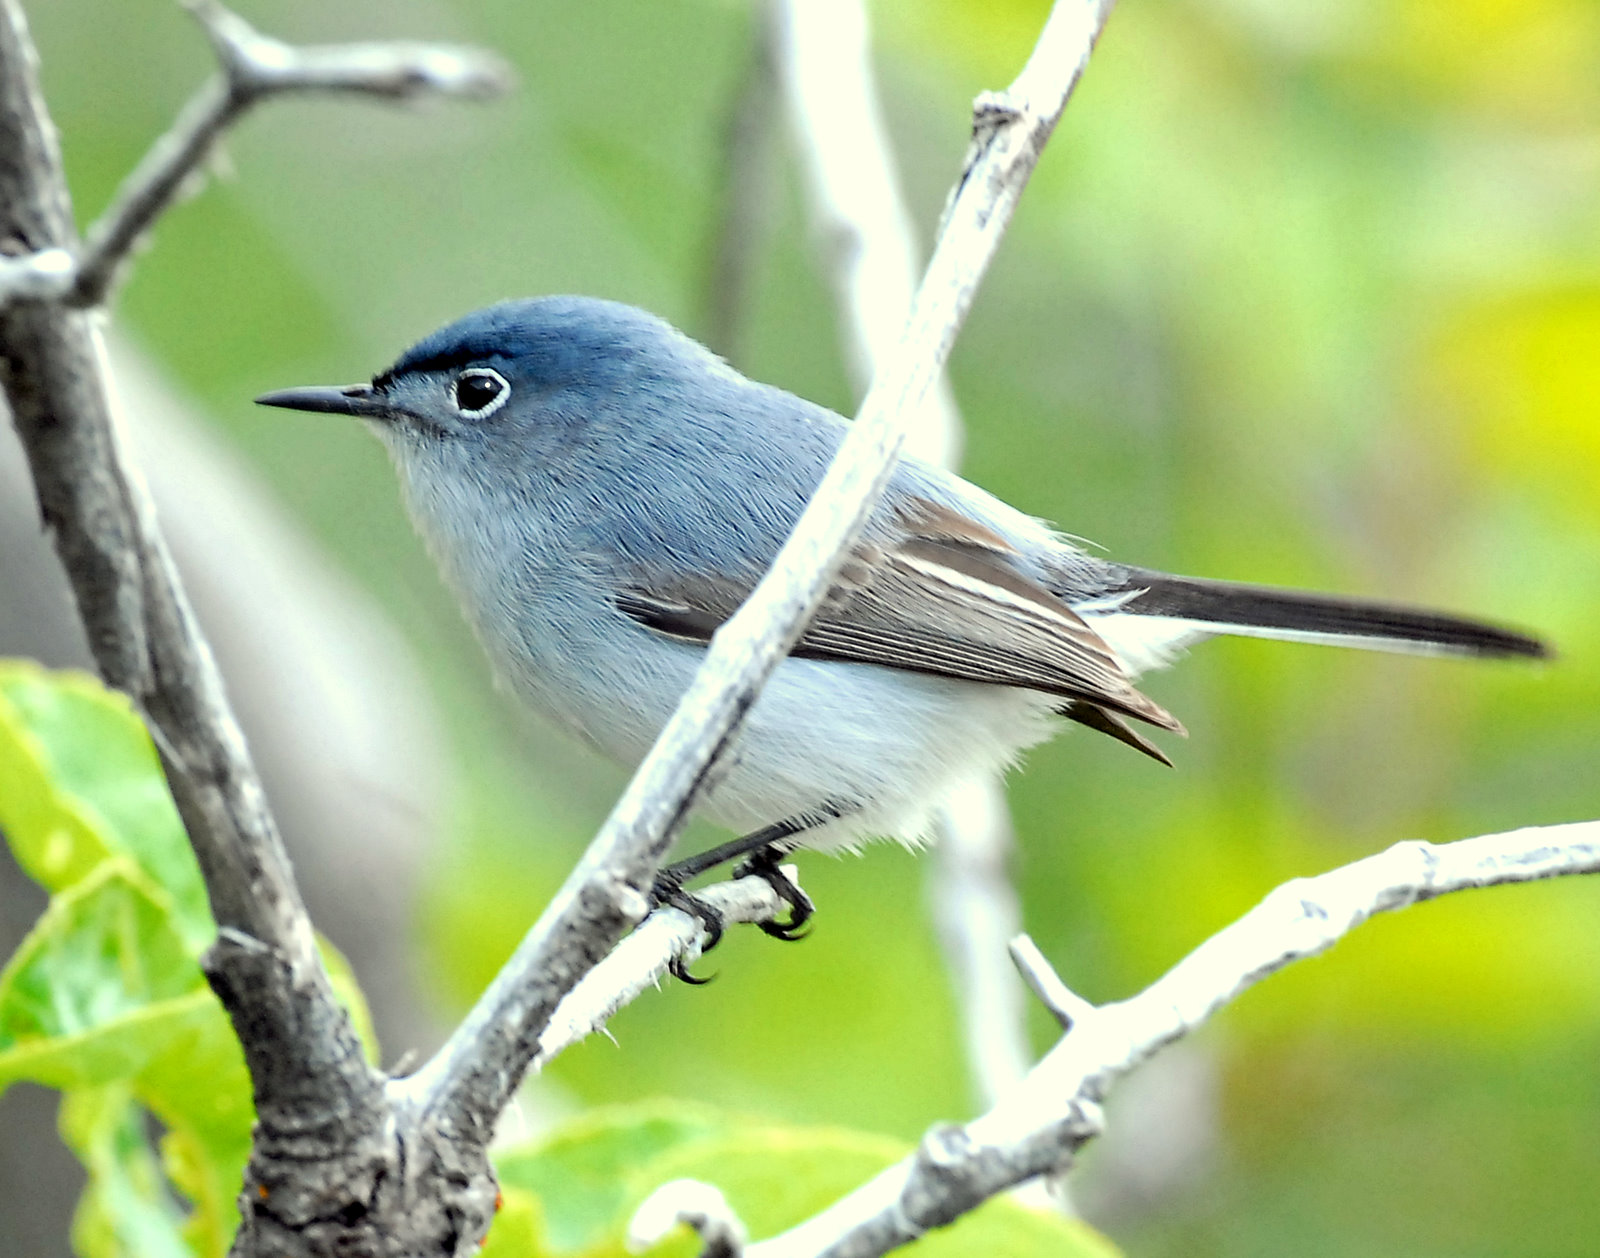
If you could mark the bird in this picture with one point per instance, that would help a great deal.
(602, 492)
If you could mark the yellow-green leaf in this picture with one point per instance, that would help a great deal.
(587, 1178)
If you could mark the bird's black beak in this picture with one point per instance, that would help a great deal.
(360, 400)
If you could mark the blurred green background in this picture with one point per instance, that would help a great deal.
(1304, 293)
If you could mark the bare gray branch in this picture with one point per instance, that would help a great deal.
(1038, 1126)
(254, 68)
(689, 1202)
(327, 1155)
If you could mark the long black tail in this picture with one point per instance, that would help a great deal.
(1294, 615)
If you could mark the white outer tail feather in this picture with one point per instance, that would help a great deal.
(1144, 643)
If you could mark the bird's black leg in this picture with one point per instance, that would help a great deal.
(708, 917)
(763, 863)
(689, 867)
(763, 850)
(668, 889)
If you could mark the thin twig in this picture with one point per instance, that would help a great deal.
(476, 1072)
(695, 1204)
(253, 68)
(1038, 1127)
(1064, 1004)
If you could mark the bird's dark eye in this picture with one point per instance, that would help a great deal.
(480, 391)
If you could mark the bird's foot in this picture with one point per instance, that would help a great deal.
(764, 865)
(668, 892)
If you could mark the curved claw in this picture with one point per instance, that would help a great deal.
(800, 911)
(669, 894)
(789, 932)
(765, 866)
(680, 971)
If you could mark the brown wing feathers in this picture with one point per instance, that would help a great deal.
(946, 599)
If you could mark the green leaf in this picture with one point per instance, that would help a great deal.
(54, 841)
(519, 1227)
(579, 1172)
(586, 1180)
(125, 1208)
(104, 999)
(80, 781)
(99, 985)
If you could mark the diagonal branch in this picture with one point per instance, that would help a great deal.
(255, 68)
(869, 249)
(1040, 1124)
(467, 1084)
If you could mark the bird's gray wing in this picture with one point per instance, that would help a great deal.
(945, 596)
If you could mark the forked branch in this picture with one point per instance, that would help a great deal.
(1039, 1125)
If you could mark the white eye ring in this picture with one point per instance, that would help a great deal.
(481, 376)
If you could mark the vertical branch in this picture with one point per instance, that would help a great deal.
(869, 250)
(977, 913)
(139, 625)
(325, 1144)
(859, 216)
(297, 1039)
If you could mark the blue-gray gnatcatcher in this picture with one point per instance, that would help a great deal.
(603, 492)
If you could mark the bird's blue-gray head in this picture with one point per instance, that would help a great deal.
(499, 368)
(573, 428)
